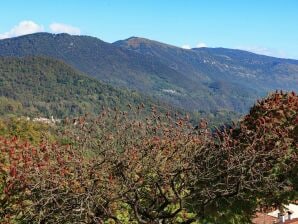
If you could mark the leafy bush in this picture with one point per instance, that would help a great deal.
(24, 129)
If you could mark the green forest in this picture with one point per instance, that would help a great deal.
(39, 86)
(44, 87)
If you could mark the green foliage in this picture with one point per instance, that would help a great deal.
(26, 130)
(10, 107)
(36, 86)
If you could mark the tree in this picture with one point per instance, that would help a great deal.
(120, 167)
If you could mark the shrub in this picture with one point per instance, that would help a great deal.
(120, 167)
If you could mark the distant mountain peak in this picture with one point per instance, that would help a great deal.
(41, 34)
(46, 36)
(136, 42)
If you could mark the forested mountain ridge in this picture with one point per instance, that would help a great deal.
(90, 55)
(40, 86)
(203, 79)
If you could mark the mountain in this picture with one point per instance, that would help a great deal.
(202, 79)
(220, 64)
(231, 76)
(39, 86)
(90, 55)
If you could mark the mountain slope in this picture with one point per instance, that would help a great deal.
(266, 72)
(231, 76)
(48, 87)
(197, 80)
(92, 56)
(220, 64)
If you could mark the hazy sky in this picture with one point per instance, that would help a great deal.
(264, 26)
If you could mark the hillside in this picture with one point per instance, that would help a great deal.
(91, 56)
(211, 65)
(234, 75)
(42, 86)
(203, 79)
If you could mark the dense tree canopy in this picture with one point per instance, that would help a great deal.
(39, 86)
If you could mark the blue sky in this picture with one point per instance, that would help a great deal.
(264, 26)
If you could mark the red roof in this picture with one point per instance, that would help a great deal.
(262, 218)
(292, 221)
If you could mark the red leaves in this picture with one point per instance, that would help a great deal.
(179, 123)
(296, 120)
(279, 109)
(144, 163)
(11, 152)
(261, 121)
(8, 188)
(43, 147)
(13, 171)
(203, 124)
(111, 179)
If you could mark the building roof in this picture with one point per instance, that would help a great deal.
(292, 208)
(272, 217)
(292, 221)
(262, 218)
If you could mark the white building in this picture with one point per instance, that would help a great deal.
(290, 212)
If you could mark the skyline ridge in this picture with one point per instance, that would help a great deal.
(268, 27)
(147, 39)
